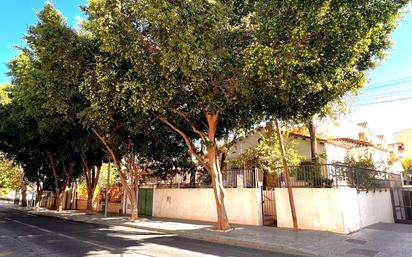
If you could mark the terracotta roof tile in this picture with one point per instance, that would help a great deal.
(352, 143)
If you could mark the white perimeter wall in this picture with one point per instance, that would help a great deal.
(243, 205)
(342, 210)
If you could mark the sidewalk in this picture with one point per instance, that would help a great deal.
(377, 240)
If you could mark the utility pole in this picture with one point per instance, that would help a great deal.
(106, 206)
(286, 173)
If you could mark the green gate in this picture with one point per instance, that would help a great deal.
(145, 201)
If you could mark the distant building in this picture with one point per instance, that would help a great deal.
(405, 136)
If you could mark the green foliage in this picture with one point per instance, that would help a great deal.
(114, 178)
(240, 60)
(362, 172)
(309, 53)
(407, 164)
(266, 155)
(361, 161)
(82, 191)
(5, 93)
(10, 175)
(41, 129)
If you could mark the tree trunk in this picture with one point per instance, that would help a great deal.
(57, 199)
(52, 163)
(216, 174)
(211, 165)
(265, 179)
(193, 178)
(222, 161)
(23, 195)
(313, 144)
(134, 215)
(89, 201)
(91, 175)
(286, 171)
(39, 195)
(123, 179)
(59, 204)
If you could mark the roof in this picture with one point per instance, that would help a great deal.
(380, 137)
(362, 124)
(353, 143)
(320, 140)
(294, 134)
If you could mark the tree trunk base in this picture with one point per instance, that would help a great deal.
(223, 229)
(134, 216)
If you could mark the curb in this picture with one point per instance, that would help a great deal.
(195, 236)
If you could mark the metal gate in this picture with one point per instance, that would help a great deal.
(145, 201)
(269, 207)
(402, 204)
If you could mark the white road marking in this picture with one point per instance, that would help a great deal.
(4, 254)
(62, 235)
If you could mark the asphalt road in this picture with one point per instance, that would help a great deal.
(23, 234)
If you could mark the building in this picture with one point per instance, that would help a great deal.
(405, 137)
(360, 141)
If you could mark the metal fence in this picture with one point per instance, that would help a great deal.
(309, 176)
(231, 179)
(240, 178)
(338, 175)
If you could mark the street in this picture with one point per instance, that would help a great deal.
(23, 234)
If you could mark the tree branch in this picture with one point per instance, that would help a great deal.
(122, 176)
(197, 131)
(188, 143)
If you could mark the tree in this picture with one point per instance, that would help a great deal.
(309, 53)
(10, 175)
(207, 68)
(184, 67)
(133, 143)
(92, 163)
(46, 76)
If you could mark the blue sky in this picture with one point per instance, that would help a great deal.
(398, 63)
(17, 15)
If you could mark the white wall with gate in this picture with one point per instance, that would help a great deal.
(341, 210)
(243, 205)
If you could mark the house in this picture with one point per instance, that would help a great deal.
(360, 141)
(330, 151)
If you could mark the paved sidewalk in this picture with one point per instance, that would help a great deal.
(377, 240)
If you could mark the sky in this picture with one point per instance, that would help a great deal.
(17, 15)
(386, 115)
